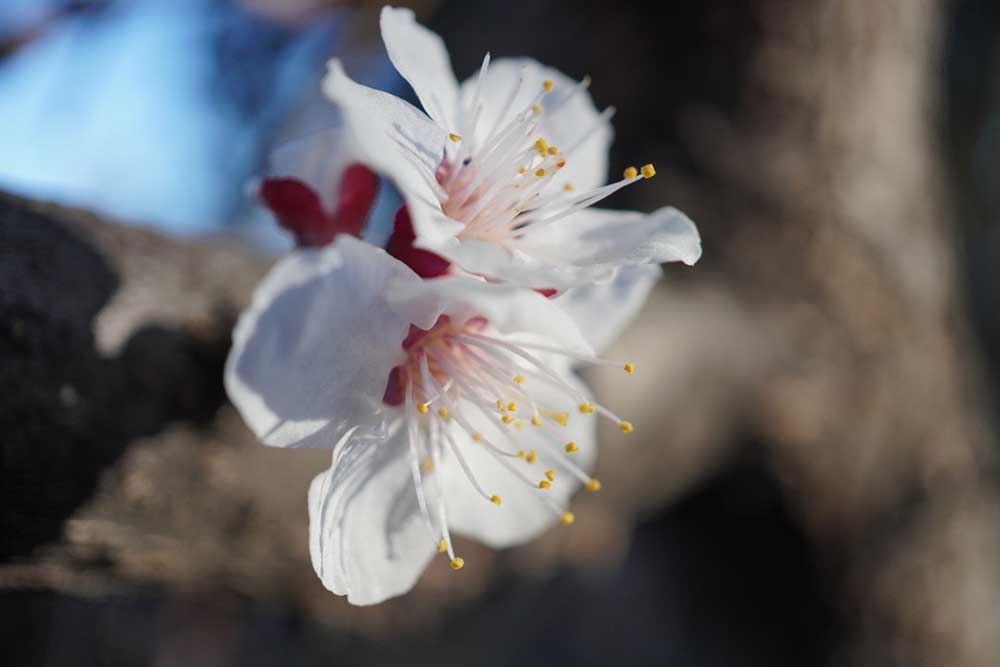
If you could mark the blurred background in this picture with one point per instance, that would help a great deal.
(814, 478)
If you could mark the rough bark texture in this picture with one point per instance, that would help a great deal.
(826, 327)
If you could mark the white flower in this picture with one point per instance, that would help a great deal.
(450, 405)
(500, 173)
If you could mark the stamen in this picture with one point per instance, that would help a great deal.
(547, 85)
(454, 137)
(567, 518)
(630, 173)
(648, 171)
(458, 562)
(571, 447)
(415, 458)
(593, 485)
(629, 368)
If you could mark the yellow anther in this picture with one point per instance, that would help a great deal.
(626, 427)
(586, 408)
(522, 170)
(531, 456)
(443, 412)
(648, 171)
(518, 379)
(560, 164)
(512, 406)
(536, 420)
(571, 447)
(454, 137)
(496, 500)
(568, 187)
(551, 475)
(427, 465)
(477, 437)
(539, 173)
(536, 108)
(500, 405)
(547, 85)
(519, 424)
(629, 368)
(593, 485)
(552, 150)
(520, 453)
(541, 146)
(545, 484)
(422, 408)
(567, 518)
(561, 417)
(442, 546)
(506, 419)
(457, 563)
(630, 173)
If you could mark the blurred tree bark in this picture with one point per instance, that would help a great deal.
(827, 322)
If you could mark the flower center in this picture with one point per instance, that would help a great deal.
(510, 183)
(456, 375)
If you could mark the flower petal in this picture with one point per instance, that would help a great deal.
(522, 514)
(394, 139)
(507, 308)
(602, 310)
(312, 354)
(367, 538)
(565, 121)
(421, 57)
(595, 237)
(589, 246)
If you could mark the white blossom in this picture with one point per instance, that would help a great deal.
(501, 172)
(450, 405)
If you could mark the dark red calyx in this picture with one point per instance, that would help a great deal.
(299, 209)
(424, 263)
(358, 189)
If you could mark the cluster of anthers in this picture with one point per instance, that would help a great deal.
(508, 184)
(453, 371)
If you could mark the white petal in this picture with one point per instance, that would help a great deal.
(594, 237)
(420, 56)
(317, 160)
(398, 141)
(517, 267)
(507, 308)
(602, 310)
(367, 538)
(562, 125)
(522, 514)
(312, 354)
(586, 247)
